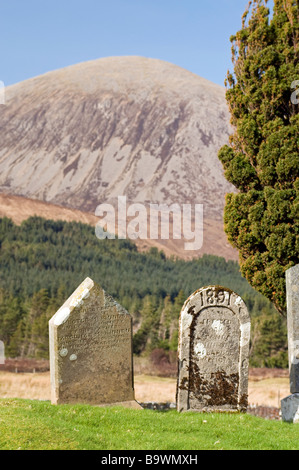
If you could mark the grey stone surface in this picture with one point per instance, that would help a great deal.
(214, 336)
(153, 405)
(91, 358)
(292, 290)
(290, 408)
(2, 353)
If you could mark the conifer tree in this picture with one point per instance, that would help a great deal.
(36, 332)
(262, 159)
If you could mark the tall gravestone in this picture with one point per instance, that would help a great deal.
(290, 404)
(213, 356)
(2, 353)
(91, 349)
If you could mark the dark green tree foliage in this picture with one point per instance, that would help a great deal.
(42, 262)
(268, 340)
(262, 158)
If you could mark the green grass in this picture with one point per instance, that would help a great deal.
(36, 425)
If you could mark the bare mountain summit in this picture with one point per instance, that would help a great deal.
(132, 126)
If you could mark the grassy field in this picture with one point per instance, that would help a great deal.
(37, 425)
(263, 389)
(29, 421)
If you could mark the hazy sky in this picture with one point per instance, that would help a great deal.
(37, 36)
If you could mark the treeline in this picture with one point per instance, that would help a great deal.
(43, 261)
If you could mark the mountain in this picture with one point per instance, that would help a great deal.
(132, 126)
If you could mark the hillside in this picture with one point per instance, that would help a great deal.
(43, 261)
(132, 126)
(19, 209)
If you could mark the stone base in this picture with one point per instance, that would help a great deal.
(126, 404)
(210, 410)
(290, 408)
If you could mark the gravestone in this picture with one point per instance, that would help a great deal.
(2, 353)
(91, 358)
(213, 355)
(290, 404)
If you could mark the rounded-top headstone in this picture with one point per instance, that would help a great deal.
(213, 355)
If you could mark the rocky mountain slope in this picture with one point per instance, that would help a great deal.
(132, 126)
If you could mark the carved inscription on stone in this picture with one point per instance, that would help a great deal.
(91, 349)
(213, 351)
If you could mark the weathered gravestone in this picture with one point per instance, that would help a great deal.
(91, 358)
(2, 353)
(213, 354)
(290, 404)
